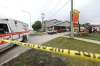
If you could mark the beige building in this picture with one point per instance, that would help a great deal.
(97, 27)
(56, 25)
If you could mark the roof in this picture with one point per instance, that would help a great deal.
(6, 19)
(96, 25)
(55, 22)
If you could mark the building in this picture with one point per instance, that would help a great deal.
(57, 25)
(97, 27)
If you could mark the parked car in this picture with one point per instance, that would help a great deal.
(52, 32)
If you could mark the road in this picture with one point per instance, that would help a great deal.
(19, 50)
(44, 38)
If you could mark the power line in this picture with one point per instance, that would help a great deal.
(46, 5)
(61, 8)
(58, 10)
(59, 1)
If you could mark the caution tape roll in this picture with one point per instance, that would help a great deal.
(66, 52)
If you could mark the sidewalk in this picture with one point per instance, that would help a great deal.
(86, 40)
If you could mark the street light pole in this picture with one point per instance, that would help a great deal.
(43, 23)
(71, 20)
(29, 16)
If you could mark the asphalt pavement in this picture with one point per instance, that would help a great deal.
(44, 38)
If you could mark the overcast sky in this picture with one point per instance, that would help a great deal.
(53, 9)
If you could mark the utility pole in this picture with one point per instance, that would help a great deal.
(71, 20)
(43, 23)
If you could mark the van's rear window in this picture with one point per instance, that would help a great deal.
(3, 28)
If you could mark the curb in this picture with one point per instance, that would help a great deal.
(86, 40)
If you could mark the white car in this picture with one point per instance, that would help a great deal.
(52, 32)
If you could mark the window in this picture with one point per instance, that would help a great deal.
(15, 22)
(3, 29)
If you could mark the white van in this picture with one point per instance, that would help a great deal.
(16, 30)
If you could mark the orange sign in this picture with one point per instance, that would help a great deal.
(76, 20)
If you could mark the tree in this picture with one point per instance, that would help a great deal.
(90, 29)
(88, 26)
(37, 25)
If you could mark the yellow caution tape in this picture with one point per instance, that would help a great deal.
(65, 52)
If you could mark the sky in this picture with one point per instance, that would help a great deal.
(23, 10)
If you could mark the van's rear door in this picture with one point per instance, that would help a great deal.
(4, 34)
